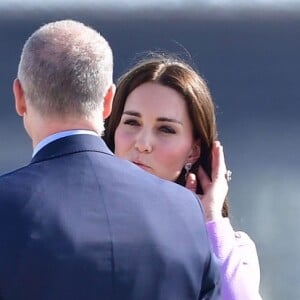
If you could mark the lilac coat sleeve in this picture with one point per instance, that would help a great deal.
(237, 254)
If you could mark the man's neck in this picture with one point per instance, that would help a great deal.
(48, 128)
(59, 135)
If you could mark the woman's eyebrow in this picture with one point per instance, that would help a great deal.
(165, 119)
(132, 113)
(159, 119)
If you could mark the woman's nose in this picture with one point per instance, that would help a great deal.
(143, 143)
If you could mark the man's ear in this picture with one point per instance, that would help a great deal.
(194, 153)
(20, 103)
(108, 100)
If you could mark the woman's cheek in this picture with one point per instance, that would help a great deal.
(170, 163)
(121, 142)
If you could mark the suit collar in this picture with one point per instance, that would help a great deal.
(58, 135)
(71, 144)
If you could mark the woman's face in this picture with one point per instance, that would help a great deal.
(155, 131)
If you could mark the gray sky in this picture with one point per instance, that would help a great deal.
(137, 4)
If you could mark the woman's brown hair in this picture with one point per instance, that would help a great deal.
(176, 74)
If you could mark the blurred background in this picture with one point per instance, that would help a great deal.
(249, 53)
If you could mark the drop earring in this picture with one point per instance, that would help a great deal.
(187, 168)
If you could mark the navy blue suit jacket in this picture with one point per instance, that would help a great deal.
(79, 223)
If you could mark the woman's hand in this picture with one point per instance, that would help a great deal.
(215, 190)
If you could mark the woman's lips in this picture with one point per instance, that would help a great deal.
(141, 165)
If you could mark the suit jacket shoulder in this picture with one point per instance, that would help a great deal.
(86, 223)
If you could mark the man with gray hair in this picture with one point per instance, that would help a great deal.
(77, 222)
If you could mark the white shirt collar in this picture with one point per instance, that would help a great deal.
(59, 135)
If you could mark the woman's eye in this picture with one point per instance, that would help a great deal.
(131, 122)
(167, 129)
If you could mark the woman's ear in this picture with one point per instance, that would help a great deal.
(194, 153)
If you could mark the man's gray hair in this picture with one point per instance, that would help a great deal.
(66, 69)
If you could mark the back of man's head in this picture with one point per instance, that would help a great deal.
(66, 69)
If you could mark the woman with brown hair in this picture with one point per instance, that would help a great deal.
(163, 120)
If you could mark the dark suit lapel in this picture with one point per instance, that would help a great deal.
(71, 144)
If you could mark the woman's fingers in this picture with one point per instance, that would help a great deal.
(203, 179)
(215, 190)
(191, 182)
(218, 162)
